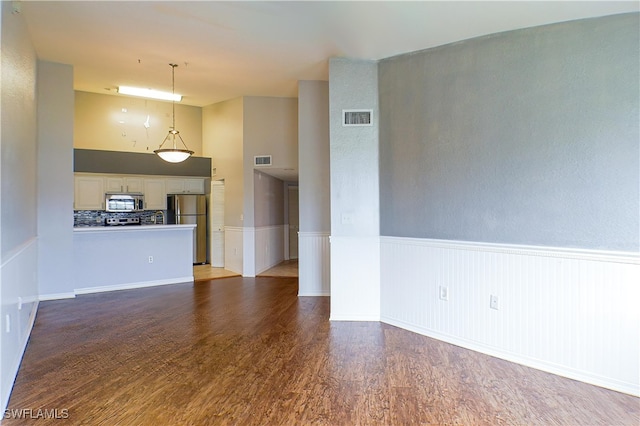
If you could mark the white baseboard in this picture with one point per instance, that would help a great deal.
(129, 286)
(57, 296)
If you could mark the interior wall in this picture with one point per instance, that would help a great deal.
(223, 140)
(268, 200)
(130, 124)
(18, 193)
(526, 137)
(314, 267)
(353, 151)
(313, 156)
(270, 128)
(525, 144)
(222, 129)
(55, 178)
(269, 221)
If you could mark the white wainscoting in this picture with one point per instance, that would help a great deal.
(233, 239)
(18, 310)
(314, 267)
(355, 278)
(269, 243)
(574, 313)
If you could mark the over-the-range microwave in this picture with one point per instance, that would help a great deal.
(124, 202)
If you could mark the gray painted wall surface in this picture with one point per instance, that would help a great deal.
(525, 137)
(353, 151)
(55, 178)
(97, 161)
(313, 156)
(18, 134)
(268, 200)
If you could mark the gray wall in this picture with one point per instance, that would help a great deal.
(353, 151)
(524, 137)
(55, 178)
(98, 161)
(18, 134)
(268, 200)
(313, 156)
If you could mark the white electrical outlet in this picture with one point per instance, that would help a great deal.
(444, 293)
(493, 302)
(150, 259)
(8, 324)
(19, 303)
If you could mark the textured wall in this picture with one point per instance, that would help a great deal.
(116, 123)
(18, 134)
(55, 177)
(270, 128)
(18, 194)
(223, 141)
(268, 200)
(524, 137)
(353, 150)
(313, 156)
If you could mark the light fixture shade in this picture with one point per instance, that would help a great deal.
(175, 154)
(171, 155)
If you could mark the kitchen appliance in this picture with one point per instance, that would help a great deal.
(124, 202)
(191, 210)
(118, 221)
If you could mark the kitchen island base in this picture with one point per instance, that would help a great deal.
(126, 257)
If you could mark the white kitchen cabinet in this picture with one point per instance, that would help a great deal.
(185, 186)
(155, 194)
(123, 184)
(88, 192)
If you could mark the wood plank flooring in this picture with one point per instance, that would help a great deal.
(248, 351)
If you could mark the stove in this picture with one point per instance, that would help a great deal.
(117, 221)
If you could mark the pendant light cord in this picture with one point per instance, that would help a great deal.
(173, 92)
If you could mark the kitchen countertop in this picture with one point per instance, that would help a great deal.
(131, 228)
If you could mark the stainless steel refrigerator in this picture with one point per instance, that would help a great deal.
(190, 210)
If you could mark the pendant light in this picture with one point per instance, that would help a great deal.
(174, 154)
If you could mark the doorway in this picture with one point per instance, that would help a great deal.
(294, 221)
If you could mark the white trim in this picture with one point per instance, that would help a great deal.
(314, 234)
(129, 286)
(57, 296)
(13, 254)
(314, 265)
(137, 228)
(565, 253)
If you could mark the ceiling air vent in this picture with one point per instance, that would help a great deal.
(262, 160)
(357, 117)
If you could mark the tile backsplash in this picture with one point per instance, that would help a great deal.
(98, 217)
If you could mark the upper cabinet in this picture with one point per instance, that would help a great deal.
(185, 185)
(90, 189)
(88, 192)
(124, 184)
(155, 194)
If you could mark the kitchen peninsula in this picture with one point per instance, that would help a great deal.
(110, 258)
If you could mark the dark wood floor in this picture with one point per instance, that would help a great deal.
(240, 351)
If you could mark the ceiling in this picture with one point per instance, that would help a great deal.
(228, 49)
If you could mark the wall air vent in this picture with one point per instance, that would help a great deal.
(357, 117)
(262, 160)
